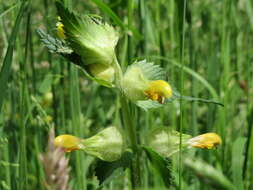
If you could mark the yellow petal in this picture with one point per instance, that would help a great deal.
(68, 142)
(207, 140)
(158, 90)
(60, 30)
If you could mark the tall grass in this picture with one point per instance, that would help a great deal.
(206, 50)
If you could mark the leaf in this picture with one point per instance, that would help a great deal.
(7, 10)
(106, 171)
(160, 164)
(209, 174)
(150, 70)
(194, 74)
(54, 45)
(116, 19)
(176, 95)
(237, 161)
(6, 68)
(148, 104)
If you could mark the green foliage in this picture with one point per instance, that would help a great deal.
(107, 171)
(7, 62)
(204, 51)
(161, 165)
(209, 174)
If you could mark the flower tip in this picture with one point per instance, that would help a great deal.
(60, 30)
(158, 90)
(68, 143)
(207, 141)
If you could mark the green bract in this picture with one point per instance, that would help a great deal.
(92, 40)
(106, 145)
(165, 141)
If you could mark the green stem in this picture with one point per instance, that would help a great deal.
(128, 121)
(132, 137)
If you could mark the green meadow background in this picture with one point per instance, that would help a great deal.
(206, 51)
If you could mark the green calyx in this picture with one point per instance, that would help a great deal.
(107, 145)
(165, 141)
(134, 83)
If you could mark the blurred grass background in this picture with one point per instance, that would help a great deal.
(39, 90)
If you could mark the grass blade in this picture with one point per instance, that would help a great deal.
(6, 68)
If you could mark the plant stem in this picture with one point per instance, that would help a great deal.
(132, 137)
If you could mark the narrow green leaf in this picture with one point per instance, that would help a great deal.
(209, 174)
(9, 9)
(116, 19)
(6, 68)
(237, 161)
(194, 74)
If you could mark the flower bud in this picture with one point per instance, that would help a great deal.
(102, 72)
(68, 143)
(60, 30)
(207, 140)
(142, 81)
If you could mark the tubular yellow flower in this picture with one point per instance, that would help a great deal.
(68, 142)
(60, 30)
(207, 140)
(158, 90)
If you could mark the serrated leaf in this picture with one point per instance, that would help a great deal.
(148, 104)
(150, 70)
(54, 45)
(160, 164)
(106, 171)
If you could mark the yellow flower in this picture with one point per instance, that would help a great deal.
(158, 90)
(207, 140)
(68, 143)
(60, 30)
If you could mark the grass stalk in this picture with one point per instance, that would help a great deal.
(181, 58)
